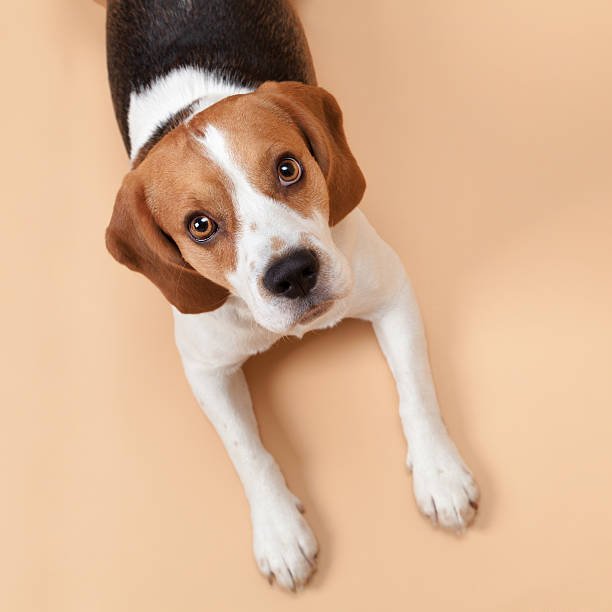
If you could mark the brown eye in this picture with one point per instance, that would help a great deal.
(201, 228)
(289, 171)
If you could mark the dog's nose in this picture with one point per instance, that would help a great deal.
(294, 275)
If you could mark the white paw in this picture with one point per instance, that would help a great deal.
(285, 547)
(444, 488)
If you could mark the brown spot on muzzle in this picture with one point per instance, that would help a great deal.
(277, 244)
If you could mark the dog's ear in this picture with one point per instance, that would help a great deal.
(319, 117)
(134, 238)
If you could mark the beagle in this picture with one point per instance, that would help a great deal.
(241, 206)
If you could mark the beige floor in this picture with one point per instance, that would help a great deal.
(485, 132)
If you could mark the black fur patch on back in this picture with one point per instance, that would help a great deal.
(245, 41)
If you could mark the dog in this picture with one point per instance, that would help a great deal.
(241, 207)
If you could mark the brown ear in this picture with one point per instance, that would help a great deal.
(318, 115)
(134, 238)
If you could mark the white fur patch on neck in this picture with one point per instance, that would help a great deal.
(155, 104)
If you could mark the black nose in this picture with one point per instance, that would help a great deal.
(294, 275)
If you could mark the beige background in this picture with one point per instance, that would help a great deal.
(485, 132)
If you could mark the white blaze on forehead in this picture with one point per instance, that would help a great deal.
(217, 149)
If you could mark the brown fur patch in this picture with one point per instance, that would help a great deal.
(181, 182)
(277, 243)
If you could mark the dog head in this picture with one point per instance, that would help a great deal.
(240, 199)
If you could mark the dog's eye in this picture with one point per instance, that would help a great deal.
(201, 228)
(289, 171)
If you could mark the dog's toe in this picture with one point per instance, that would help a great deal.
(446, 491)
(284, 545)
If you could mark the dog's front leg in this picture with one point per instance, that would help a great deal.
(284, 545)
(444, 487)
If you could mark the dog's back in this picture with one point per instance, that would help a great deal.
(245, 42)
